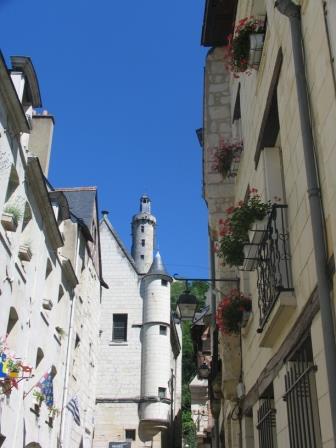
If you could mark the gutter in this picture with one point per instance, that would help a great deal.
(292, 11)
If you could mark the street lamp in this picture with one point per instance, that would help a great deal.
(187, 303)
(204, 370)
(186, 306)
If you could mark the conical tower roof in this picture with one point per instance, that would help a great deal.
(158, 268)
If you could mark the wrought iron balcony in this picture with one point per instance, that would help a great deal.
(274, 274)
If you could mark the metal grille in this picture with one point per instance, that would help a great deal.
(273, 263)
(266, 425)
(301, 400)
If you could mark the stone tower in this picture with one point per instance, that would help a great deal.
(155, 362)
(143, 232)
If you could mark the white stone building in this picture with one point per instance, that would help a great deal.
(50, 279)
(277, 374)
(139, 375)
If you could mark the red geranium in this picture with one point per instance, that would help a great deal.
(230, 311)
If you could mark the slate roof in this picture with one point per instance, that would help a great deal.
(158, 268)
(81, 204)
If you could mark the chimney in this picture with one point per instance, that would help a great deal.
(41, 138)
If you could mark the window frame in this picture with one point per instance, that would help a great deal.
(163, 330)
(162, 393)
(133, 437)
(116, 328)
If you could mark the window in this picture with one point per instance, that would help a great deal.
(162, 392)
(142, 257)
(130, 434)
(163, 329)
(119, 327)
(301, 398)
(164, 282)
(266, 420)
(143, 243)
(142, 229)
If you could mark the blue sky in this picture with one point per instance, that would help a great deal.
(124, 82)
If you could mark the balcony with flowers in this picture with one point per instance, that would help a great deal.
(245, 45)
(254, 237)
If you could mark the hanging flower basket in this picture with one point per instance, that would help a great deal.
(233, 312)
(242, 45)
(225, 155)
(234, 230)
(12, 369)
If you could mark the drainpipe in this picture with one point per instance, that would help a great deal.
(292, 11)
(68, 354)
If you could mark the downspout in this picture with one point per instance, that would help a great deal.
(69, 353)
(292, 11)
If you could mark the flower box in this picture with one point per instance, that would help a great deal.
(47, 304)
(258, 230)
(256, 48)
(226, 158)
(233, 312)
(9, 222)
(25, 253)
(245, 46)
(250, 257)
(245, 318)
(256, 236)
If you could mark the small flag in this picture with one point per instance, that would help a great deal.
(73, 407)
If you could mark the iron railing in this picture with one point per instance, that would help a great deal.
(266, 425)
(273, 263)
(301, 400)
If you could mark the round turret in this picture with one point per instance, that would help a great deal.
(156, 368)
(143, 233)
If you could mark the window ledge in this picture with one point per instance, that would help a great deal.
(113, 343)
(281, 313)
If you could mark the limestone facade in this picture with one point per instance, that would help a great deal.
(50, 279)
(262, 109)
(139, 375)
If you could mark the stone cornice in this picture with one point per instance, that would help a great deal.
(25, 65)
(35, 179)
(11, 99)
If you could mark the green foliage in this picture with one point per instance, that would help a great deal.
(198, 289)
(235, 228)
(38, 395)
(230, 311)
(14, 211)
